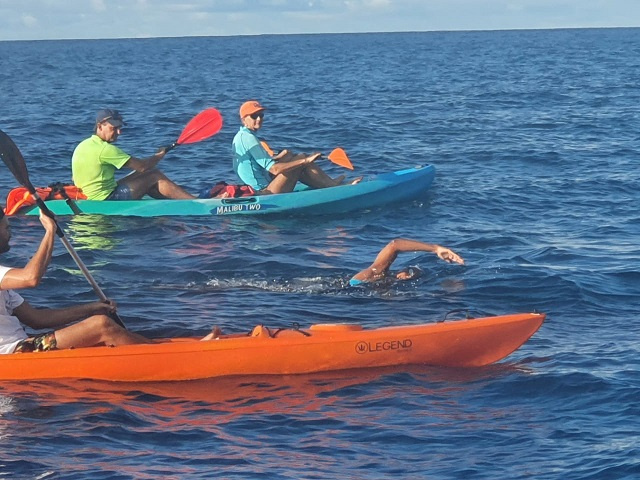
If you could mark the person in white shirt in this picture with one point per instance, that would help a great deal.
(93, 325)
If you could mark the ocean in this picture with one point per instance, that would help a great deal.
(534, 136)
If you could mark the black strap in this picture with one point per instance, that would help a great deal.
(58, 187)
(468, 313)
(295, 326)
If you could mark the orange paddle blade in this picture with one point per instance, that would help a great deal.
(339, 157)
(267, 148)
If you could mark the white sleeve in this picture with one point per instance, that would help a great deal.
(3, 272)
(12, 299)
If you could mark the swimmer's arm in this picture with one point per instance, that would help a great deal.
(381, 264)
(389, 253)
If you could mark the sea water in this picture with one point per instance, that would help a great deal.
(534, 135)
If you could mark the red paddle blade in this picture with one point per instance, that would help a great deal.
(204, 125)
(339, 157)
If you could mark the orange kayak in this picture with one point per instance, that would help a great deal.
(319, 348)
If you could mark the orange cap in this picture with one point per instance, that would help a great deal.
(252, 106)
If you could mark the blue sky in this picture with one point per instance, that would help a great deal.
(57, 19)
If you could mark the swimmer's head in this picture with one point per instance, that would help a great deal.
(409, 273)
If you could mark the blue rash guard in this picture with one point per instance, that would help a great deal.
(251, 162)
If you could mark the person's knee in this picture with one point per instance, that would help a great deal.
(146, 177)
(154, 175)
(103, 324)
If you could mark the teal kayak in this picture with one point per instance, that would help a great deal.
(376, 191)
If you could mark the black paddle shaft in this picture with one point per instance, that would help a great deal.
(14, 161)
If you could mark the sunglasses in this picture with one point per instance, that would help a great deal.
(257, 115)
(106, 120)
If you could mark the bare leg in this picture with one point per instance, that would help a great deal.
(284, 182)
(215, 333)
(309, 174)
(154, 183)
(315, 177)
(312, 175)
(96, 330)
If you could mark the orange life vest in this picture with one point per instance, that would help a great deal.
(20, 197)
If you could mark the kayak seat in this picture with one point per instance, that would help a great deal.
(261, 331)
(20, 197)
(224, 190)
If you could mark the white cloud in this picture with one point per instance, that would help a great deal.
(29, 21)
(200, 16)
(99, 5)
(377, 4)
(130, 18)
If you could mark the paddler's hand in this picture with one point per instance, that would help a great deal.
(105, 308)
(47, 222)
(313, 157)
(162, 151)
(281, 155)
(449, 255)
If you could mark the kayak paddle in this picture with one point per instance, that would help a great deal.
(58, 187)
(337, 156)
(204, 125)
(14, 161)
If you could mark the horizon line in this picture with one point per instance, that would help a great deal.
(479, 30)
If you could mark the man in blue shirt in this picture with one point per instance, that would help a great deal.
(277, 174)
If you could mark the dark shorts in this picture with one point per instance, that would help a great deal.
(39, 343)
(122, 192)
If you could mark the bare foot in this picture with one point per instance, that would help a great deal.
(338, 180)
(215, 333)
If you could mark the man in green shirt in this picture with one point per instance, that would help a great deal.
(96, 159)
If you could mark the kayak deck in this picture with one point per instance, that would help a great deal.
(320, 348)
(379, 190)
